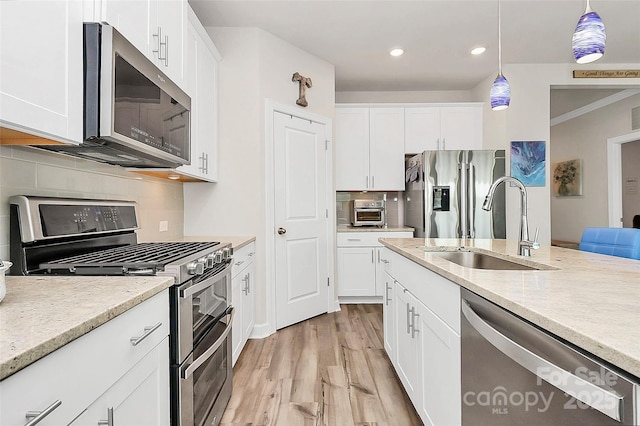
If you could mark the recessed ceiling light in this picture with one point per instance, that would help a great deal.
(478, 50)
(396, 52)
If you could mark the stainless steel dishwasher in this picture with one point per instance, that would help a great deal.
(514, 373)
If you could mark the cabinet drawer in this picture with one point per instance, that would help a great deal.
(367, 239)
(85, 368)
(439, 294)
(242, 258)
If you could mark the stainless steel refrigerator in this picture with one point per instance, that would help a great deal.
(444, 192)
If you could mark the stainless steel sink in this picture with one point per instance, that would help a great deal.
(470, 259)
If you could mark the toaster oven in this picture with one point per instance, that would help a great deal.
(367, 212)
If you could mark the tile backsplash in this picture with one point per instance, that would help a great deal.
(30, 171)
(394, 210)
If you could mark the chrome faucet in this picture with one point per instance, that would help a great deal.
(524, 244)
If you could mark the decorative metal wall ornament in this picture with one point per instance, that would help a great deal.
(303, 83)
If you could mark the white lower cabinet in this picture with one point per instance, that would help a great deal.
(360, 265)
(426, 328)
(100, 370)
(243, 284)
(138, 398)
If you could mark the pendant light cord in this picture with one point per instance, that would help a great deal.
(500, 40)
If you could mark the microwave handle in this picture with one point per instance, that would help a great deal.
(212, 350)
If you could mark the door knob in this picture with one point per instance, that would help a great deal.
(282, 231)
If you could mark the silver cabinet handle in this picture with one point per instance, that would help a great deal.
(443, 144)
(408, 319)
(373, 182)
(600, 399)
(36, 417)
(238, 263)
(387, 299)
(109, 421)
(414, 329)
(367, 184)
(353, 239)
(212, 350)
(373, 260)
(252, 253)
(147, 332)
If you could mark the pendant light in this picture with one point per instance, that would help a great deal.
(500, 94)
(589, 37)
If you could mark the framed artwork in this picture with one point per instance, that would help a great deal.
(528, 162)
(567, 178)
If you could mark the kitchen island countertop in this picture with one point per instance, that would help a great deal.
(591, 300)
(43, 313)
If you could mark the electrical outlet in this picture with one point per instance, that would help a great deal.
(164, 226)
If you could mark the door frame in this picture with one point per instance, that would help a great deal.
(614, 173)
(271, 107)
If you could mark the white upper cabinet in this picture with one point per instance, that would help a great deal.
(157, 28)
(455, 126)
(202, 59)
(369, 149)
(41, 68)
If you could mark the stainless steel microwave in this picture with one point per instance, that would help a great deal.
(134, 115)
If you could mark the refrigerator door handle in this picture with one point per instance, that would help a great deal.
(464, 200)
(471, 194)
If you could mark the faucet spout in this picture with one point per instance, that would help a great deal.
(524, 244)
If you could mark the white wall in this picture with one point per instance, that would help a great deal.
(404, 96)
(585, 137)
(630, 169)
(256, 66)
(527, 119)
(30, 171)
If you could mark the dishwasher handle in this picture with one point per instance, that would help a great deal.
(607, 402)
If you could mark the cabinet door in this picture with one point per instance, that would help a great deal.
(389, 317)
(168, 29)
(248, 303)
(461, 127)
(386, 149)
(352, 149)
(140, 397)
(41, 68)
(132, 19)
(237, 286)
(440, 390)
(356, 271)
(407, 357)
(422, 129)
(380, 268)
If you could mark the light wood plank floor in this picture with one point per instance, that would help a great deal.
(329, 370)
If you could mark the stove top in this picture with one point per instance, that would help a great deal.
(142, 258)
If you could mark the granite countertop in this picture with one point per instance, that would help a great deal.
(351, 228)
(43, 313)
(589, 299)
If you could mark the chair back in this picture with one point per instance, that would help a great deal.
(622, 242)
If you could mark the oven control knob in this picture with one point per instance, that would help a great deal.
(211, 260)
(219, 256)
(227, 253)
(196, 268)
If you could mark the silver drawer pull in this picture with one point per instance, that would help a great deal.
(147, 332)
(238, 263)
(36, 417)
(109, 421)
(353, 239)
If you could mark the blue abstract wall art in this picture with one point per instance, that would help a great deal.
(528, 162)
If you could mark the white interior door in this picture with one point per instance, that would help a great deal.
(300, 219)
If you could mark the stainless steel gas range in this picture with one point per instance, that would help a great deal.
(97, 237)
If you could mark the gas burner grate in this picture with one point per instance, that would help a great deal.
(135, 256)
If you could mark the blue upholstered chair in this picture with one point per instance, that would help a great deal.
(622, 242)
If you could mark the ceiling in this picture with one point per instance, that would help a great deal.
(356, 36)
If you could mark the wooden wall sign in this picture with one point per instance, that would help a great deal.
(606, 74)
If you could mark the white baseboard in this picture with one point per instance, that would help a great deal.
(360, 299)
(260, 331)
(335, 306)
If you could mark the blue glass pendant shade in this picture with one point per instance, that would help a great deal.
(589, 38)
(500, 94)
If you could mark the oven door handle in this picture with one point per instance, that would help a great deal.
(209, 352)
(204, 284)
